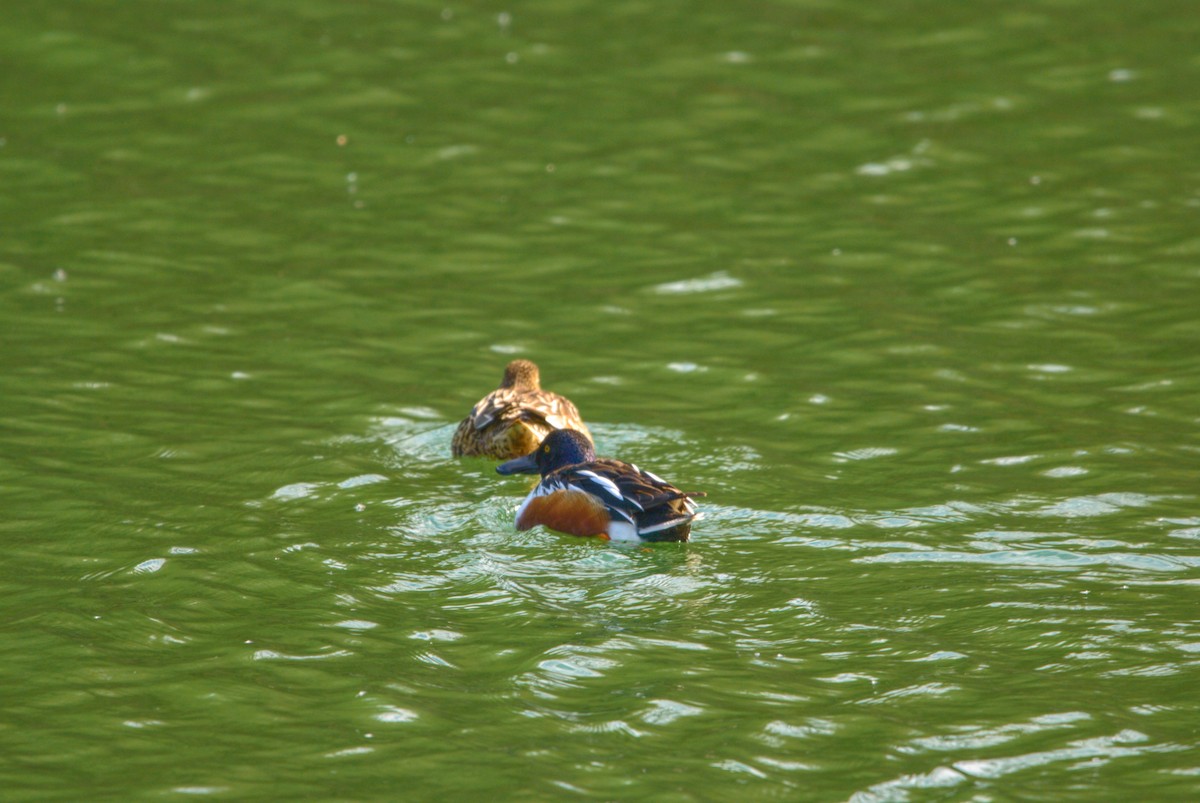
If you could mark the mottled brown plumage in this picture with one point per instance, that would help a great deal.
(514, 418)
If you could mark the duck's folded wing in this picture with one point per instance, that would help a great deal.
(632, 494)
(492, 407)
(558, 412)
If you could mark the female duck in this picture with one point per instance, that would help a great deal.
(514, 418)
(581, 494)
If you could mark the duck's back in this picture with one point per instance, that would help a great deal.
(641, 505)
(512, 421)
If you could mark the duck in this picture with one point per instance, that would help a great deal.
(515, 418)
(581, 494)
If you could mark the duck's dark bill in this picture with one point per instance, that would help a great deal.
(519, 465)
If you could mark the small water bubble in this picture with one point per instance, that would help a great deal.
(60, 275)
(897, 164)
(837, 252)
(447, 14)
(1012, 240)
(149, 566)
(1035, 180)
(1120, 75)
(550, 168)
(1066, 471)
(396, 715)
(61, 109)
(720, 280)
(512, 58)
(504, 20)
(360, 507)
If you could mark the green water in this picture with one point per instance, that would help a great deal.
(910, 290)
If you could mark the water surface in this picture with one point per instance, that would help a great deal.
(909, 292)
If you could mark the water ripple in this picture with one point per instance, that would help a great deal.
(1038, 558)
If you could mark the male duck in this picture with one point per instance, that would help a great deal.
(514, 418)
(581, 494)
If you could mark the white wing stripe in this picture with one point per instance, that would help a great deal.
(607, 485)
(664, 525)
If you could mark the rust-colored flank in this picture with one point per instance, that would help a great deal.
(571, 512)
